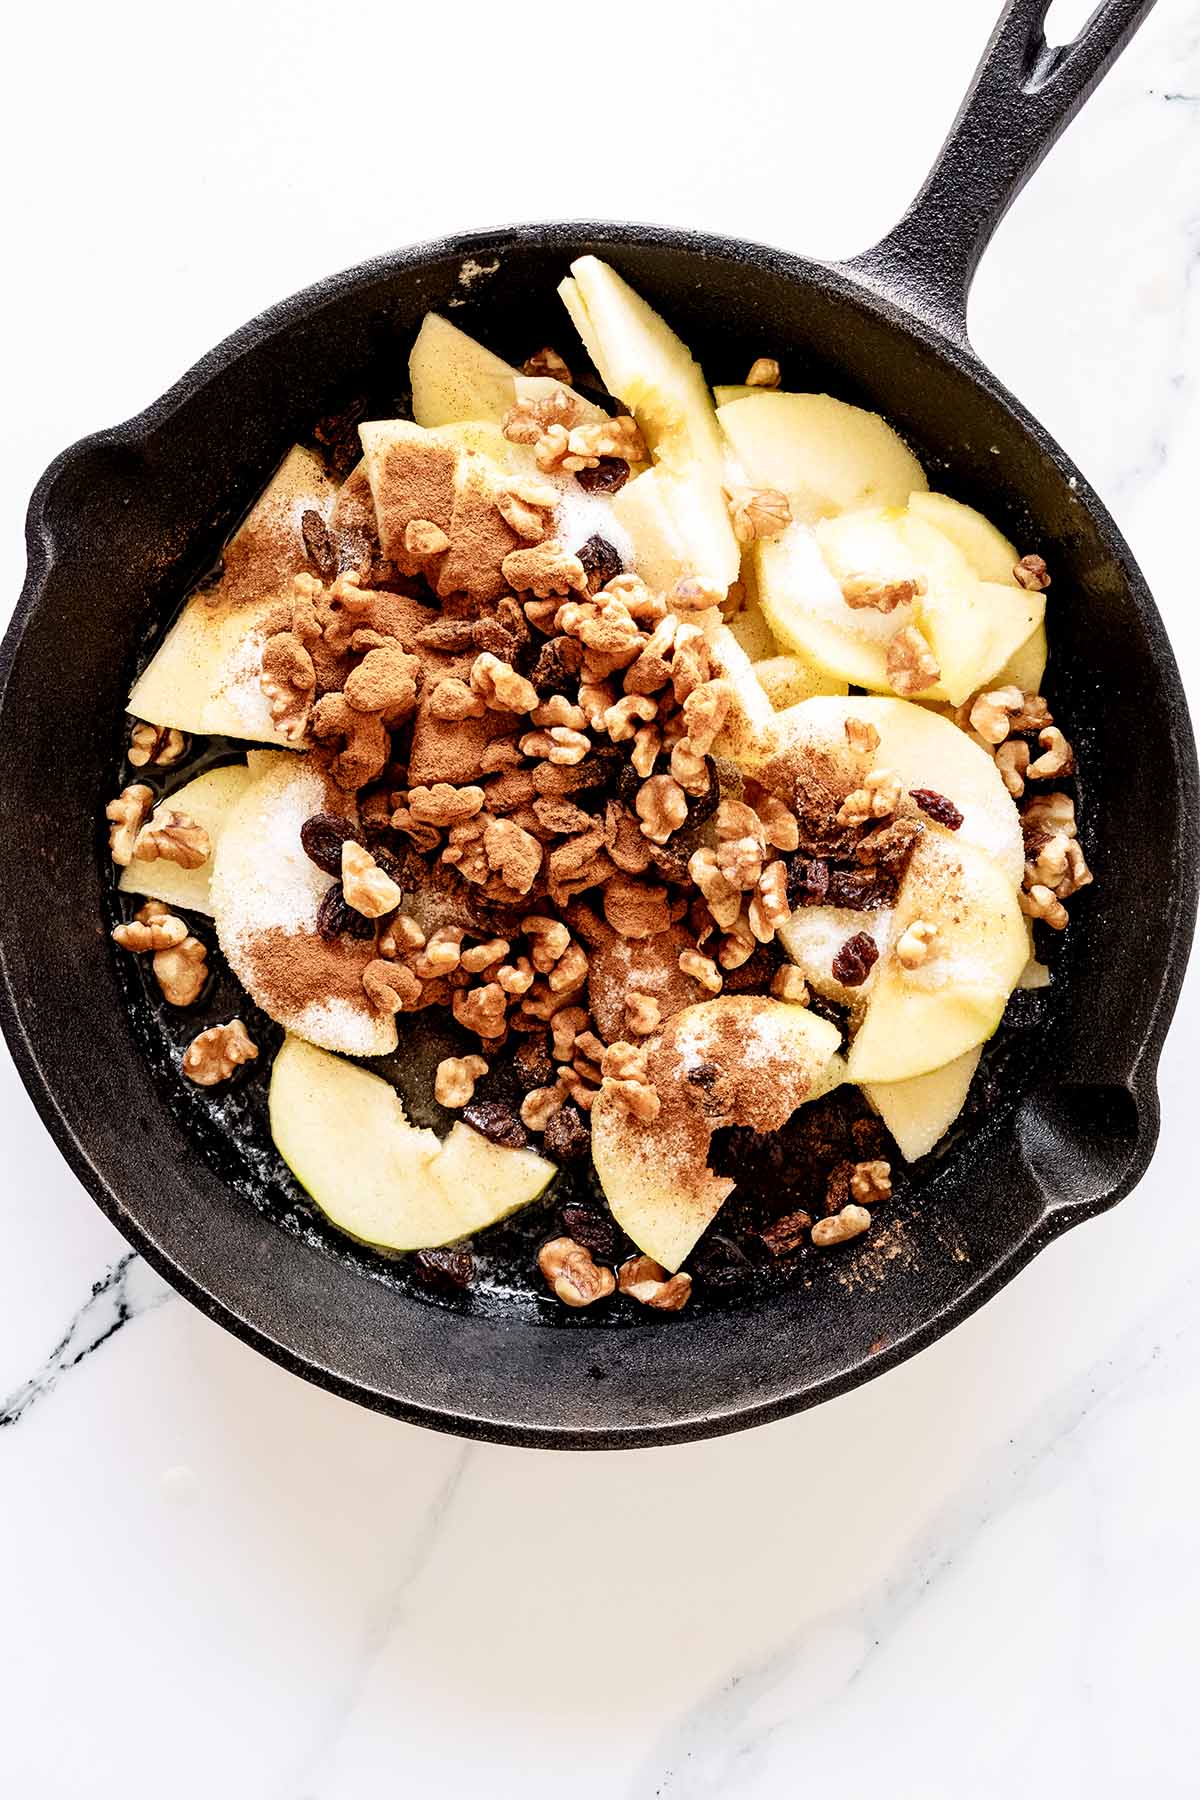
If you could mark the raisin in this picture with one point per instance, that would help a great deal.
(490, 635)
(335, 919)
(787, 1234)
(532, 1065)
(389, 862)
(720, 1267)
(568, 1136)
(862, 890)
(449, 635)
(608, 477)
(444, 1271)
(318, 544)
(837, 1187)
(558, 660)
(807, 881)
(701, 807)
(629, 784)
(601, 561)
(940, 810)
(756, 972)
(592, 1229)
(855, 960)
(497, 1122)
(323, 836)
(337, 434)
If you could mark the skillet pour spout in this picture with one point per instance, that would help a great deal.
(124, 522)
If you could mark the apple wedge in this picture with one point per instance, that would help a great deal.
(918, 1019)
(787, 680)
(454, 378)
(973, 626)
(826, 455)
(760, 1060)
(204, 678)
(643, 363)
(802, 603)
(208, 802)
(920, 1111)
(987, 550)
(343, 1133)
(813, 936)
(265, 896)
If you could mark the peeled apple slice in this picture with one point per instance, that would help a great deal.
(920, 1111)
(343, 1133)
(454, 378)
(986, 550)
(207, 801)
(825, 455)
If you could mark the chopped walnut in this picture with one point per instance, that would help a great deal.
(740, 862)
(181, 971)
(391, 987)
(769, 908)
(643, 1015)
(1031, 573)
(705, 711)
(540, 1105)
(1047, 813)
(559, 745)
(1057, 756)
(789, 984)
(516, 978)
(991, 714)
(661, 805)
(570, 971)
(634, 1096)
(780, 826)
(385, 681)
(622, 718)
(866, 593)
(737, 946)
(689, 768)
(288, 680)
(911, 665)
(723, 897)
(481, 1009)
(422, 537)
(454, 1082)
(861, 737)
(558, 710)
(176, 839)
(646, 1281)
(764, 373)
(527, 507)
(702, 969)
(481, 956)
(871, 1182)
(877, 798)
(402, 934)
(161, 745)
(441, 953)
(361, 740)
(1043, 903)
(127, 813)
(1077, 876)
(757, 513)
(453, 699)
(915, 944)
(570, 1271)
(530, 420)
(365, 885)
(513, 853)
(565, 1027)
(216, 1053)
(547, 362)
(619, 438)
(544, 569)
(693, 594)
(849, 1223)
(153, 927)
(551, 940)
(647, 746)
(1012, 760)
(503, 690)
(442, 804)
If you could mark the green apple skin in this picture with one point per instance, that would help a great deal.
(208, 801)
(641, 1167)
(920, 1111)
(343, 1133)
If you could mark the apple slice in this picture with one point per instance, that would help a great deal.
(813, 936)
(723, 394)
(925, 750)
(918, 1019)
(265, 896)
(825, 455)
(987, 550)
(454, 378)
(802, 602)
(204, 677)
(761, 1058)
(920, 1111)
(750, 734)
(787, 680)
(643, 363)
(343, 1133)
(208, 801)
(1026, 666)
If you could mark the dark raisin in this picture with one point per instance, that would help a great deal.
(671, 861)
(594, 1230)
(598, 770)
(756, 972)
(608, 477)
(855, 960)
(837, 1187)
(807, 881)
(444, 1271)
(601, 561)
(719, 1266)
(532, 1065)
(318, 544)
(787, 1234)
(862, 890)
(559, 659)
(323, 836)
(389, 862)
(490, 635)
(337, 434)
(701, 807)
(870, 1139)
(704, 1075)
(497, 1122)
(568, 1136)
(449, 635)
(335, 919)
(940, 810)
(629, 784)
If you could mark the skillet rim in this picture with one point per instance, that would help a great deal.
(865, 286)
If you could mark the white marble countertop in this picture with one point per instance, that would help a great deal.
(974, 1577)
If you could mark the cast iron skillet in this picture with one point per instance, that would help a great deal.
(123, 521)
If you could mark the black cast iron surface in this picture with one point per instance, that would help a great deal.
(121, 525)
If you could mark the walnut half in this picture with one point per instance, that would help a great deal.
(216, 1053)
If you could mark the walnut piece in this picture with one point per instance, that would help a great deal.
(646, 1281)
(153, 927)
(643, 1015)
(1032, 574)
(618, 438)
(443, 804)
(991, 714)
(915, 944)
(702, 969)
(661, 805)
(502, 689)
(176, 839)
(547, 362)
(877, 798)
(539, 1107)
(851, 1222)
(481, 1009)
(705, 711)
(544, 569)
(360, 739)
(861, 737)
(866, 593)
(559, 744)
(757, 512)
(454, 1083)
(1057, 756)
(216, 1053)
(390, 987)
(571, 1273)
(1012, 760)
(527, 507)
(453, 699)
(385, 681)
(365, 886)
(911, 665)
(1041, 902)
(127, 814)
(789, 984)
(763, 373)
(513, 853)
(422, 537)
(871, 1182)
(161, 745)
(769, 908)
(181, 971)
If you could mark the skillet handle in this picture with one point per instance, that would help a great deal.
(1024, 94)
